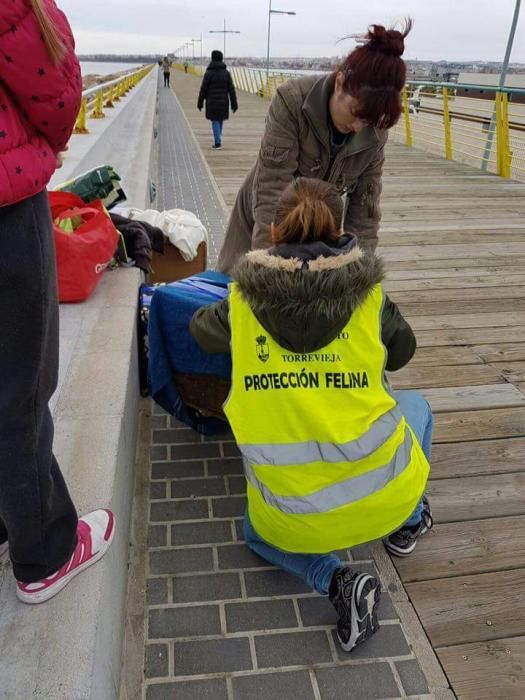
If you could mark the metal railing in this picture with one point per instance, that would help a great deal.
(488, 133)
(437, 117)
(101, 97)
(251, 80)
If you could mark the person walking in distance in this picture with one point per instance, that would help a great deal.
(40, 94)
(218, 91)
(166, 69)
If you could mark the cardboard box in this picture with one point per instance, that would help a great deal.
(171, 266)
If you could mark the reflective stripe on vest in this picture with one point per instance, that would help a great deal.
(339, 494)
(283, 454)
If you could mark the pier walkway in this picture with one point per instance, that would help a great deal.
(219, 622)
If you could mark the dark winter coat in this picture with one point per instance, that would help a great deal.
(304, 296)
(218, 91)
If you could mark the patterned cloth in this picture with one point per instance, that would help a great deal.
(167, 346)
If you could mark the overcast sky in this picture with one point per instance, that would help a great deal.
(444, 29)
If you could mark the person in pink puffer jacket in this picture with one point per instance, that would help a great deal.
(40, 93)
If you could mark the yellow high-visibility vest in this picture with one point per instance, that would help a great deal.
(329, 458)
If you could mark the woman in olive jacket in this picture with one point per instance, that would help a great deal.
(333, 128)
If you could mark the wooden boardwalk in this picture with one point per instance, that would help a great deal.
(454, 242)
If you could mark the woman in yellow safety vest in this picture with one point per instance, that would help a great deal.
(333, 457)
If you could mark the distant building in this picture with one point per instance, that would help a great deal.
(486, 84)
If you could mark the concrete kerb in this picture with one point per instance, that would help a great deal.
(71, 647)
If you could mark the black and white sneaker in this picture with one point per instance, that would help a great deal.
(355, 597)
(216, 147)
(403, 542)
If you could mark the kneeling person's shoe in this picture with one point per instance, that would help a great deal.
(95, 533)
(355, 596)
(403, 542)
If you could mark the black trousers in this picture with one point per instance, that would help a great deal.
(37, 515)
(166, 78)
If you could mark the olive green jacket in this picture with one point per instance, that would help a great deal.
(296, 142)
(304, 306)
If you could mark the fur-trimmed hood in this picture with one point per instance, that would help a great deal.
(304, 295)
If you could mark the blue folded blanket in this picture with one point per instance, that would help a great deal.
(172, 348)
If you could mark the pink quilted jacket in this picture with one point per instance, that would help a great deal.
(39, 101)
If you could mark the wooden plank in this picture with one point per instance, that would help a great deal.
(470, 336)
(457, 459)
(512, 371)
(471, 608)
(451, 252)
(460, 549)
(449, 293)
(441, 266)
(477, 497)
(416, 377)
(461, 271)
(479, 425)
(466, 398)
(389, 240)
(462, 304)
(492, 670)
(477, 284)
(455, 355)
(504, 319)
(506, 352)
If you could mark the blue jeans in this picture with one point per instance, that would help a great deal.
(217, 131)
(317, 570)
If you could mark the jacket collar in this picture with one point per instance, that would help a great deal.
(315, 108)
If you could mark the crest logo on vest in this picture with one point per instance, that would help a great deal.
(263, 351)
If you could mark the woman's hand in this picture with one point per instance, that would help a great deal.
(60, 157)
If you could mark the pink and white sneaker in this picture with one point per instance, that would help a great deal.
(95, 533)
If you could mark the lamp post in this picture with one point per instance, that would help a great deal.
(198, 41)
(270, 13)
(502, 77)
(224, 32)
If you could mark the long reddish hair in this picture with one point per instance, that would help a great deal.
(50, 34)
(375, 74)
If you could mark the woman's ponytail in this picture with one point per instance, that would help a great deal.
(309, 210)
(53, 41)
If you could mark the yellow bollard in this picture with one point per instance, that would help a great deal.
(122, 88)
(80, 126)
(109, 103)
(506, 152)
(448, 132)
(499, 136)
(98, 112)
(262, 88)
(408, 127)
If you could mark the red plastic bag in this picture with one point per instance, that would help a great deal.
(84, 254)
